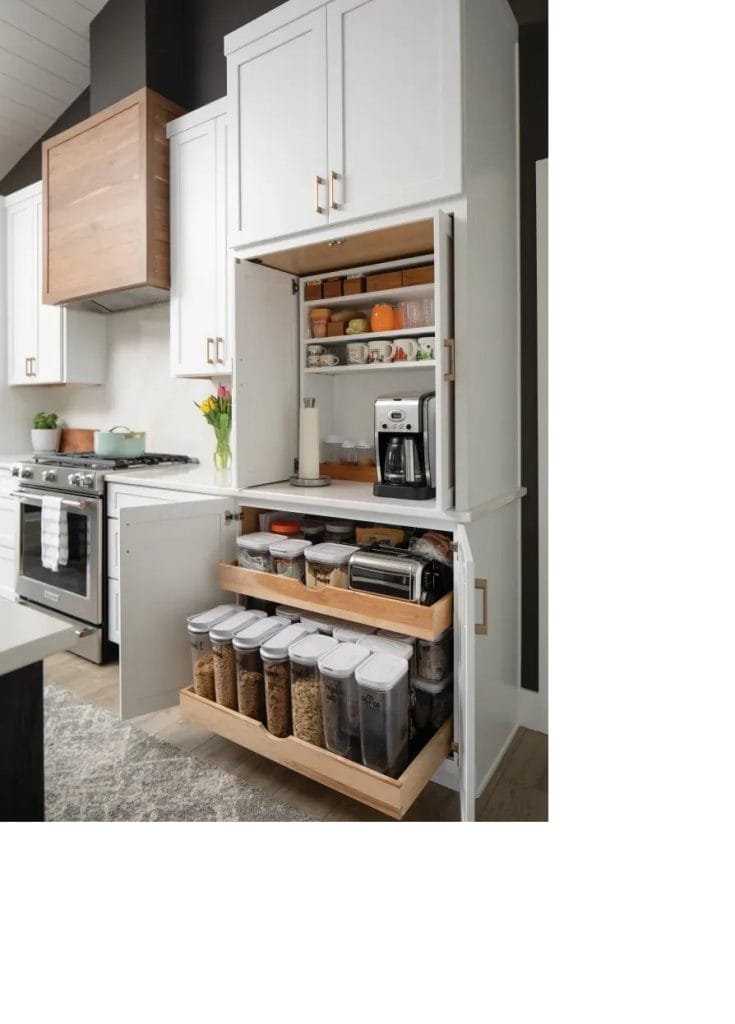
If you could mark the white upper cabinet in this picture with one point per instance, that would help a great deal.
(278, 88)
(200, 339)
(394, 106)
(46, 344)
(343, 111)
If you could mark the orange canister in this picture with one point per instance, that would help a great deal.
(381, 318)
(287, 528)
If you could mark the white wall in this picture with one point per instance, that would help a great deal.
(139, 393)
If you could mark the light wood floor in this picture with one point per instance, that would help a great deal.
(517, 792)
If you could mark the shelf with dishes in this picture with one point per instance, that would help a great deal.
(368, 336)
(421, 364)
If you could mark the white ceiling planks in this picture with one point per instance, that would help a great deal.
(44, 65)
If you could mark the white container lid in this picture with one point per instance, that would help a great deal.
(400, 638)
(276, 648)
(290, 614)
(429, 686)
(341, 525)
(348, 444)
(258, 632)
(381, 671)
(202, 622)
(330, 554)
(382, 645)
(342, 660)
(257, 541)
(226, 629)
(324, 623)
(364, 444)
(309, 649)
(333, 439)
(290, 548)
(351, 632)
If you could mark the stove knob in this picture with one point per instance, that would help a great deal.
(15, 471)
(25, 472)
(48, 474)
(88, 479)
(74, 479)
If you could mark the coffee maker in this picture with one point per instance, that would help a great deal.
(405, 445)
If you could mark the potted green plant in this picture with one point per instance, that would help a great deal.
(46, 432)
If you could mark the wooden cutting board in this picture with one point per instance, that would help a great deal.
(76, 440)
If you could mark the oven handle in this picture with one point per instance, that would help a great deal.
(34, 499)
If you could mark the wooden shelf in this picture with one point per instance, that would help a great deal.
(369, 609)
(399, 332)
(389, 796)
(343, 471)
(415, 364)
(404, 294)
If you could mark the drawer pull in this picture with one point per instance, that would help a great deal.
(210, 343)
(481, 627)
(220, 355)
(332, 178)
(449, 374)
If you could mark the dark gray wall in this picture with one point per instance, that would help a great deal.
(28, 168)
(117, 51)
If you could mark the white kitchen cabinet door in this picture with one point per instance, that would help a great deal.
(46, 344)
(168, 570)
(277, 86)
(444, 354)
(266, 409)
(395, 111)
(198, 181)
(487, 645)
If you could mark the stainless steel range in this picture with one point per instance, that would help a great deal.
(75, 590)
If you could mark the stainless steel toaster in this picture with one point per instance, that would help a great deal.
(397, 573)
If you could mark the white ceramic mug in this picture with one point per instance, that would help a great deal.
(312, 360)
(379, 351)
(315, 350)
(404, 350)
(426, 348)
(329, 359)
(357, 352)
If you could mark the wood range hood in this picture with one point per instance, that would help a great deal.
(106, 207)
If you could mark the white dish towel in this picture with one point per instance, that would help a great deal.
(54, 534)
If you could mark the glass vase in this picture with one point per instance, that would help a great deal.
(222, 451)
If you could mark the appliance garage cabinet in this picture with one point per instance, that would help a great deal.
(200, 341)
(46, 344)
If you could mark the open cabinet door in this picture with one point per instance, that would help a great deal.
(168, 570)
(487, 623)
(464, 672)
(267, 398)
(444, 350)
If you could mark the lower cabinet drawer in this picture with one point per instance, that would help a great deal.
(8, 518)
(7, 572)
(113, 610)
(390, 796)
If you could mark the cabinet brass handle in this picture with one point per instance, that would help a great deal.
(210, 343)
(481, 627)
(28, 372)
(220, 355)
(33, 366)
(449, 374)
(317, 182)
(332, 179)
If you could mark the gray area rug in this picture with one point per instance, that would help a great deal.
(101, 769)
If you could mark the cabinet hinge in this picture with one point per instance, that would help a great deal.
(230, 517)
(454, 750)
(455, 546)
(294, 286)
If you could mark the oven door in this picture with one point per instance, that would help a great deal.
(76, 588)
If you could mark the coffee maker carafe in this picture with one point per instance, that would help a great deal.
(405, 445)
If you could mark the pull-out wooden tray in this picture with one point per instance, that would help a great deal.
(390, 796)
(383, 612)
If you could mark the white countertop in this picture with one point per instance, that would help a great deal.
(27, 635)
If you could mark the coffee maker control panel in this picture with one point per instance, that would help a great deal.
(397, 420)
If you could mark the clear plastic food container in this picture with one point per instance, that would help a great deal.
(434, 658)
(306, 694)
(324, 623)
(326, 564)
(382, 683)
(277, 676)
(402, 638)
(332, 448)
(340, 699)
(202, 662)
(432, 703)
(340, 531)
(225, 681)
(382, 645)
(351, 632)
(287, 526)
(253, 551)
(249, 667)
(291, 614)
(288, 558)
(365, 451)
(313, 530)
